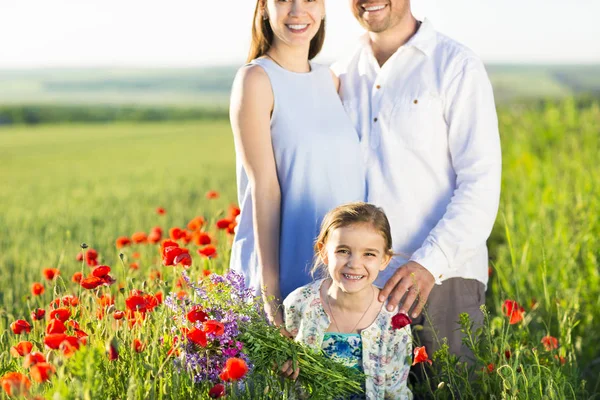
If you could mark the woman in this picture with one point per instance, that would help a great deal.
(298, 155)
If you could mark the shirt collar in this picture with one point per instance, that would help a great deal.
(424, 39)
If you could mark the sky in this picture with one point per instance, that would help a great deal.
(185, 33)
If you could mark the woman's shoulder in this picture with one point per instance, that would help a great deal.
(251, 83)
(252, 74)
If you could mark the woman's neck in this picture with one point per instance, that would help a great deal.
(350, 302)
(294, 59)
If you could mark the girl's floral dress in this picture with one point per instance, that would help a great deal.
(386, 352)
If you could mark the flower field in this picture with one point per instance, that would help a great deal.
(114, 247)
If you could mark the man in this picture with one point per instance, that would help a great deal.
(424, 108)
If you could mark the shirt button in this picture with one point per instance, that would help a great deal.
(378, 86)
(375, 119)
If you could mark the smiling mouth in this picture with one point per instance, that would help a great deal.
(297, 28)
(353, 277)
(373, 8)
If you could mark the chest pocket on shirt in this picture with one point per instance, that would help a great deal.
(413, 119)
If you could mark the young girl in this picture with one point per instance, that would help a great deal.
(341, 314)
(297, 152)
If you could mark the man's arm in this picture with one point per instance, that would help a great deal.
(474, 146)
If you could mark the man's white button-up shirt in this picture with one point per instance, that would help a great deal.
(429, 133)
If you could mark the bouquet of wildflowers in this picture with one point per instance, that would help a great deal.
(222, 338)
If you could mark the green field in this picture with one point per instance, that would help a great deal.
(210, 86)
(63, 185)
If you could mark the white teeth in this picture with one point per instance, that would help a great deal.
(297, 27)
(353, 277)
(374, 8)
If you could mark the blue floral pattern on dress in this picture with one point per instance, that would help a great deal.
(345, 348)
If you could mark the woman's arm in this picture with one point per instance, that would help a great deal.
(250, 113)
(336, 80)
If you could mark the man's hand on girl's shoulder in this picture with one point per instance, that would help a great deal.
(411, 281)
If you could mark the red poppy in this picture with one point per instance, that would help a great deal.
(136, 303)
(91, 257)
(560, 359)
(112, 349)
(50, 273)
(169, 253)
(118, 314)
(236, 368)
(208, 251)
(20, 326)
(224, 375)
(155, 235)
(420, 355)
(105, 300)
(70, 300)
(139, 237)
(490, 367)
(176, 233)
(181, 295)
(212, 194)
(69, 347)
(73, 324)
(217, 391)
(122, 242)
(400, 320)
(513, 310)
(196, 314)
(38, 314)
(206, 272)
(134, 266)
(37, 289)
(154, 274)
(41, 372)
(202, 238)
(55, 326)
(21, 349)
(160, 211)
(184, 259)
(137, 345)
(33, 358)
(234, 211)
(197, 336)
(151, 301)
(15, 383)
(507, 354)
(61, 314)
(101, 271)
(159, 297)
(231, 228)
(550, 342)
(79, 257)
(196, 224)
(54, 340)
(224, 223)
(214, 327)
(77, 277)
(91, 282)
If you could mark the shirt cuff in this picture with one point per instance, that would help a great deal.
(432, 258)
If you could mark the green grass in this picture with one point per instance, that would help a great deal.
(63, 185)
(60, 186)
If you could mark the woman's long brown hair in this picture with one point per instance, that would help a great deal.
(262, 35)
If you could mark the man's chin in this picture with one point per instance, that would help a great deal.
(375, 27)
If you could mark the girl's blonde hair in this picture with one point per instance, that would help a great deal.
(262, 35)
(350, 214)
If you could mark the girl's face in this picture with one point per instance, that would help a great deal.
(354, 255)
(295, 22)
